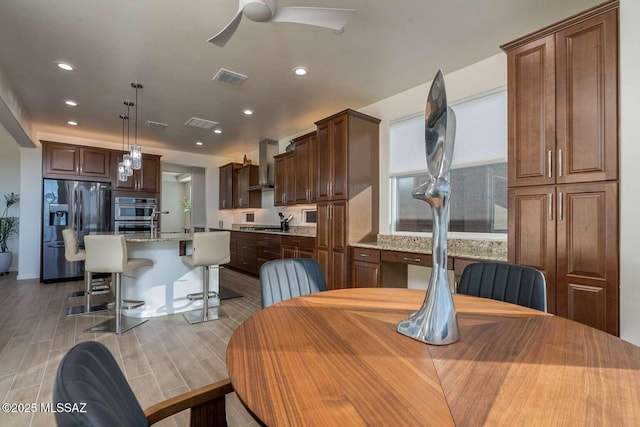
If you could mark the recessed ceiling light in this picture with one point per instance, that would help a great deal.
(217, 131)
(65, 66)
(70, 103)
(300, 71)
(247, 112)
(199, 143)
(72, 123)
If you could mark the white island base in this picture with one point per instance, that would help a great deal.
(165, 286)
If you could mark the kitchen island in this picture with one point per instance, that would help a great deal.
(165, 286)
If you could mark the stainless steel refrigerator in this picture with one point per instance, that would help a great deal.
(82, 206)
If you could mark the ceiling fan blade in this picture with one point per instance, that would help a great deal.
(334, 19)
(225, 34)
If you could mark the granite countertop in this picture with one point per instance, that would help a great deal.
(294, 230)
(487, 250)
(158, 237)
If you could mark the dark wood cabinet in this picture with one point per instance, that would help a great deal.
(563, 163)
(75, 162)
(563, 121)
(570, 233)
(532, 233)
(268, 247)
(347, 190)
(284, 179)
(333, 156)
(587, 258)
(365, 268)
(331, 243)
(298, 247)
(146, 179)
(226, 185)
(247, 176)
(246, 252)
(305, 167)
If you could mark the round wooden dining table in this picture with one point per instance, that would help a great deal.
(335, 359)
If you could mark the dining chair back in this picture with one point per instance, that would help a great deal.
(283, 279)
(91, 390)
(512, 283)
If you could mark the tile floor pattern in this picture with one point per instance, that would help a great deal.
(161, 358)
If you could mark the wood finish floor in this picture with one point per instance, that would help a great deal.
(161, 358)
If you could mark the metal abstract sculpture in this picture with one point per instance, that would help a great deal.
(435, 322)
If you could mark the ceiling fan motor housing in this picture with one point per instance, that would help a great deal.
(260, 10)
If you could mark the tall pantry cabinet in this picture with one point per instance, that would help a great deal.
(563, 163)
(347, 190)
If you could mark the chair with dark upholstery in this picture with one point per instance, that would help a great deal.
(512, 283)
(89, 377)
(283, 279)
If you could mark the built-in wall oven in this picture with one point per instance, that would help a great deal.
(134, 215)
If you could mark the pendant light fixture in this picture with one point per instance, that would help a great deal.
(122, 173)
(126, 157)
(136, 149)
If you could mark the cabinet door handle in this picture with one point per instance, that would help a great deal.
(560, 162)
(364, 255)
(331, 188)
(549, 163)
(550, 206)
(560, 206)
(330, 211)
(327, 188)
(411, 259)
(296, 241)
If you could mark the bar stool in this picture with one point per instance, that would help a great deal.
(107, 253)
(91, 286)
(210, 250)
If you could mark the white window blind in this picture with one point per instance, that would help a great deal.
(481, 136)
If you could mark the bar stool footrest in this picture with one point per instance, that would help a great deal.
(117, 325)
(214, 313)
(81, 309)
(198, 295)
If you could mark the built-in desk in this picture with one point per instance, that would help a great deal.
(386, 262)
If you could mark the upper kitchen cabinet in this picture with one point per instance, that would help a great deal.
(305, 165)
(247, 176)
(347, 153)
(75, 162)
(227, 185)
(284, 179)
(146, 179)
(563, 101)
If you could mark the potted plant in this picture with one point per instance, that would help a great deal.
(8, 227)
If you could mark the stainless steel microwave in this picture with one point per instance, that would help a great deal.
(135, 208)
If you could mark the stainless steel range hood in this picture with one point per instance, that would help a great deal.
(267, 148)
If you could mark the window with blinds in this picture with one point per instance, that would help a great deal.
(478, 174)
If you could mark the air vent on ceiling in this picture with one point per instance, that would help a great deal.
(229, 77)
(155, 125)
(201, 123)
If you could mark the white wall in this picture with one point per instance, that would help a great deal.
(629, 171)
(171, 201)
(30, 212)
(10, 182)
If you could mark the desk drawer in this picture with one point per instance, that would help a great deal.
(406, 258)
(299, 241)
(365, 255)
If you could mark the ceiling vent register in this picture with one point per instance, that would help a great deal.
(229, 77)
(155, 125)
(201, 123)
